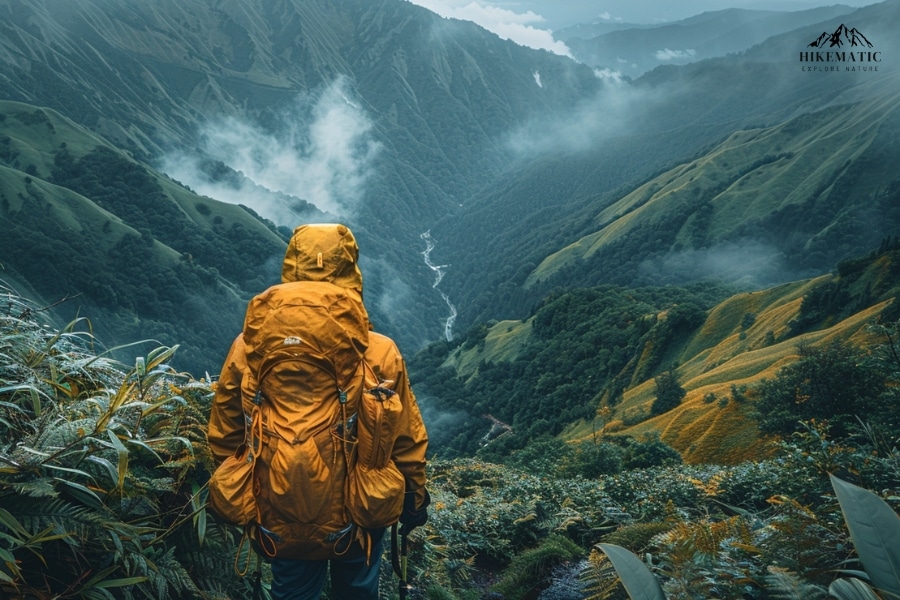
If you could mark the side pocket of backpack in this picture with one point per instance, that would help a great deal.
(376, 495)
(232, 488)
(376, 485)
(378, 422)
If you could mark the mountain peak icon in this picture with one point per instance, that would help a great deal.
(842, 35)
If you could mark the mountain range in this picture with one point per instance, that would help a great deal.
(154, 158)
(634, 49)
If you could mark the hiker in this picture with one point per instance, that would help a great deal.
(321, 407)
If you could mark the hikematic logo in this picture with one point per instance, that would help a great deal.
(845, 50)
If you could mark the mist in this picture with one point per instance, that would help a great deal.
(443, 425)
(524, 28)
(319, 150)
(747, 264)
(617, 109)
(385, 290)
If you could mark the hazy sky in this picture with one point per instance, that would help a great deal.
(530, 22)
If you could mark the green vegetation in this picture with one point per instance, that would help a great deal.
(586, 346)
(742, 196)
(105, 465)
(715, 169)
(101, 472)
(129, 191)
(837, 384)
(669, 393)
(113, 239)
(606, 365)
(874, 529)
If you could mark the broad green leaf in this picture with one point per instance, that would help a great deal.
(198, 504)
(851, 588)
(77, 472)
(98, 578)
(639, 582)
(82, 494)
(35, 402)
(875, 530)
(48, 535)
(123, 458)
(12, 523)
(143, 444)
(110, 468)
(160, 355)
(123, 582)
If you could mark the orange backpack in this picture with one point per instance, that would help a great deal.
(323, 424)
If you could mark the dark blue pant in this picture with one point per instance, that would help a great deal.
(351, 579)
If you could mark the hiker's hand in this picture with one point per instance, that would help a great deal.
(413, 516)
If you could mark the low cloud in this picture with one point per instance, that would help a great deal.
(610, 74)
(320, 149)
(747, 263)
(616, 109)
(443, 425)
(667, 54)
(386, 292)
(507, 24)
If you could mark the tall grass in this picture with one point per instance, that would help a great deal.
(102, 470)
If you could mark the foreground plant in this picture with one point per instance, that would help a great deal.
(100, 470)
(874, 529)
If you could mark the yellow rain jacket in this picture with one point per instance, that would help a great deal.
(310, 504)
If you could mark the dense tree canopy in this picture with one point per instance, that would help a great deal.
(838, 383)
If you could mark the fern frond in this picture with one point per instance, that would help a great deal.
(177, 578)
(82, 522)
(602, 580)
(44, 487)
(785, 585)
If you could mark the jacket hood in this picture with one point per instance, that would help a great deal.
(323, 252)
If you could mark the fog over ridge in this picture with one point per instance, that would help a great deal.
(321, 150)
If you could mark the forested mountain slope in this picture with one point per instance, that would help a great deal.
(623, 142)
(398, 122)
(381, 114)
(95, 234)
(588, 362)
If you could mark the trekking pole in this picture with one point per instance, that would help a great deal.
(400, 562)
(404, 553)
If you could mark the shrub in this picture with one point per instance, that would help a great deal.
(587, 459)
(834, 383)
(637, 536)
(652, 452)
(529, 569)
(103, 471)
(669, 393)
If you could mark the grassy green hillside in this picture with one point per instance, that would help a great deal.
(96, 234)
(820, 186)
(661, 124)
(586, 363)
